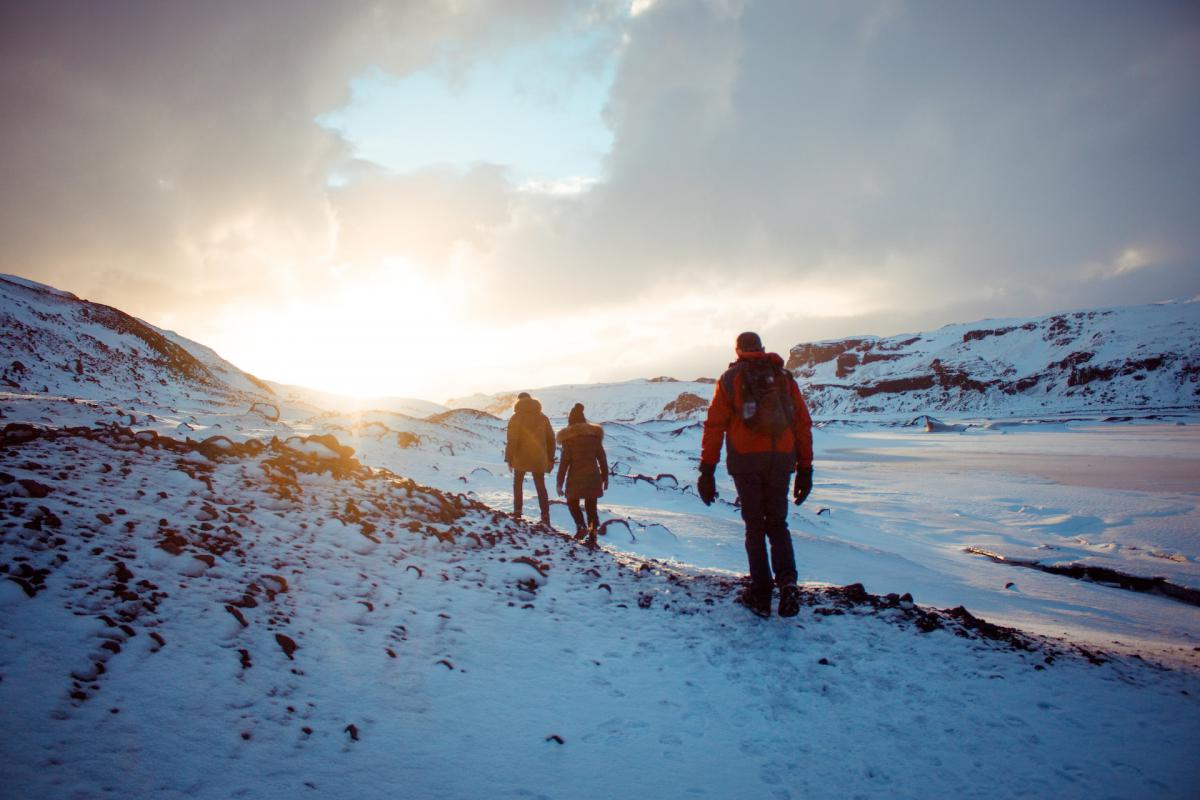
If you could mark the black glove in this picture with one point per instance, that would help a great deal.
(706, 484)
(803, 485)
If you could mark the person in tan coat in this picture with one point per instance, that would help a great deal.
(582, 471)
(530, 448)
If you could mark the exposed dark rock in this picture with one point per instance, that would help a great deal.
(684, 404)
(34, 489)
(809, 355)
(846, 363)
(173, 357)
(897, 385)
(1072, 360)
(287, 643)
(983, 334)
(456, 414)
(269, 411)
(1101, 575)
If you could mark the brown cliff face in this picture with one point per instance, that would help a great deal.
(1135, 357)
(848, 353)
(683, 405)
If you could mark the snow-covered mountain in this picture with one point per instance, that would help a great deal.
(57, 344)
(1133, 358)
(640, 400)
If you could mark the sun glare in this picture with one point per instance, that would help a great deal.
(361, 340)
(401, 332)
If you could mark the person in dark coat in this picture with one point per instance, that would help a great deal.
(530, 448)
(761, 464)
(583, 470)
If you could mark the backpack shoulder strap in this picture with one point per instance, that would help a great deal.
(727, 380)
(785, 379)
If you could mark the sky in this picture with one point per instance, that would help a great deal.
(431, 198)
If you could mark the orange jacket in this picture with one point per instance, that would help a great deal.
(749, 451)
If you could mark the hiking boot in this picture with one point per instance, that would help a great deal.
(758, 602)
(580, 533)
(591, 538)
(789, 600)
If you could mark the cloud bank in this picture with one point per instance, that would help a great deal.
(810, 169)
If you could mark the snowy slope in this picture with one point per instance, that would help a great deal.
(56, 344)
(274, 620)
(1134, 358)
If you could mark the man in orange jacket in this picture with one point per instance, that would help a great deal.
(757, 411)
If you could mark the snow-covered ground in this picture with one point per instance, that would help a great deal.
(896, 508)
(443, 649)
(208, 596)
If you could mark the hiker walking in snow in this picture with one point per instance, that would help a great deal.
(584, 469)
(757, 411)
(530, 448)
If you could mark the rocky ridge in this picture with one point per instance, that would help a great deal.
(1136, 358)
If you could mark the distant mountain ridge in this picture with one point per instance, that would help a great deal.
(637, 400)
(1130, 358)
(1136, 359)
(331, 401)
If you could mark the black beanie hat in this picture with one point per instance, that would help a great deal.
(576, 414)
(749, 342)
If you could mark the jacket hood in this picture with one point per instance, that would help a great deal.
(578, 429)
(527, 405)
(774, 358)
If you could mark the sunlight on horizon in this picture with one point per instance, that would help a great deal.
(406, 334)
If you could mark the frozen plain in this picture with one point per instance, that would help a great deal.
(899, 506)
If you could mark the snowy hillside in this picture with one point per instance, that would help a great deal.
(57, 344)
(241, 619)
(1134, 358)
